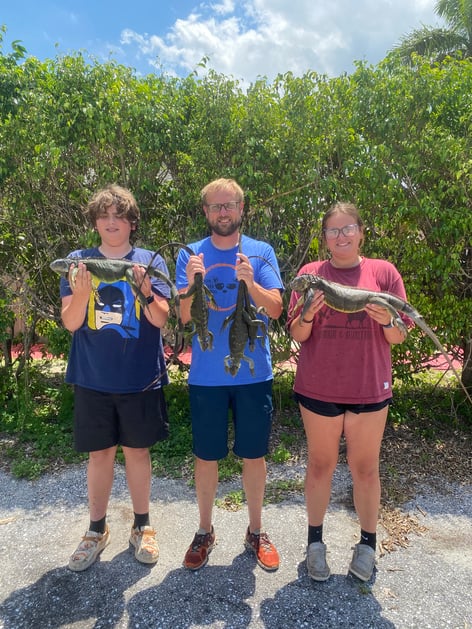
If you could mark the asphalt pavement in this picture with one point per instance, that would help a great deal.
(424, 585)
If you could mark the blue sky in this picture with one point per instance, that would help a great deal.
(243, 39)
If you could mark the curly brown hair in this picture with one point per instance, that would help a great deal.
(121, 198)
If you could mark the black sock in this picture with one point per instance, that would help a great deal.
(315, 534)
(141, 519)
(370, 539)
(98, 526)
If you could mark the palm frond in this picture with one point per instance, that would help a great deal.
(434, 44)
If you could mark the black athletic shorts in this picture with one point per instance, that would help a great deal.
(330, 409)
(134, 420)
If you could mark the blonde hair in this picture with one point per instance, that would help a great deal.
(222, 184)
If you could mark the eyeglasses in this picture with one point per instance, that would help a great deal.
(231, 206)
(333, 232)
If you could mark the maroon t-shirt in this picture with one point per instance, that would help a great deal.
(346, 359)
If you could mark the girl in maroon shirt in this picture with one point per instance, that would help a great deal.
(343, 384)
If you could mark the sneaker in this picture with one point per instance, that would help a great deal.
(316, 564)
(145, 543)
(266, 553)
(88, 550)
(197, 555)
(363, 562)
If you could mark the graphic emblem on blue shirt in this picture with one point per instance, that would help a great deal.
(112, 306)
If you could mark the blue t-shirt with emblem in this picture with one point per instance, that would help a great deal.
(117, 350)
(208, 367)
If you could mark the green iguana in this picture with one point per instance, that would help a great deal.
(349, 299)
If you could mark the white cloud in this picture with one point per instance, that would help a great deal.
(223, 8)
(265, 37)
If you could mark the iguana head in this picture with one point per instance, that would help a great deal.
(301, 283)
(62, 265)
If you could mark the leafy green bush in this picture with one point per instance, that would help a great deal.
(36, 422)
(58, 338)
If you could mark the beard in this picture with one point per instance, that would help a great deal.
(225, 229)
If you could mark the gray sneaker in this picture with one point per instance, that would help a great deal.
(316, 564)
(363, 562)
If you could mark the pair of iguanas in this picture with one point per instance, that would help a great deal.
(244, 322)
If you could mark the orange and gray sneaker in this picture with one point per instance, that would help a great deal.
(266, 553)
(197, 554)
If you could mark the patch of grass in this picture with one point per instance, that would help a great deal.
(282, 392)
(433, 398)
(276, 491)
(280, 490)
(36, 424)
(28, 469)
(173, 456)
(233, 501)
(280, 454)
(364, 588)
(229, 467)
(428, 435)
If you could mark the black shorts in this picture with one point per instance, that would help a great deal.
(331, 409)
(104, 420)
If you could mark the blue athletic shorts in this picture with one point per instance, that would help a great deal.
(103, 420)
(330, 409)
(251, 407)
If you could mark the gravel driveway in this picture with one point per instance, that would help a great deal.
(426, 584)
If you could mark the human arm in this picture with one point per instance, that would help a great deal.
(194, 265)
(383, 317)
(300, 327)
(157, 311)
(74, 307)
(389, 281)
